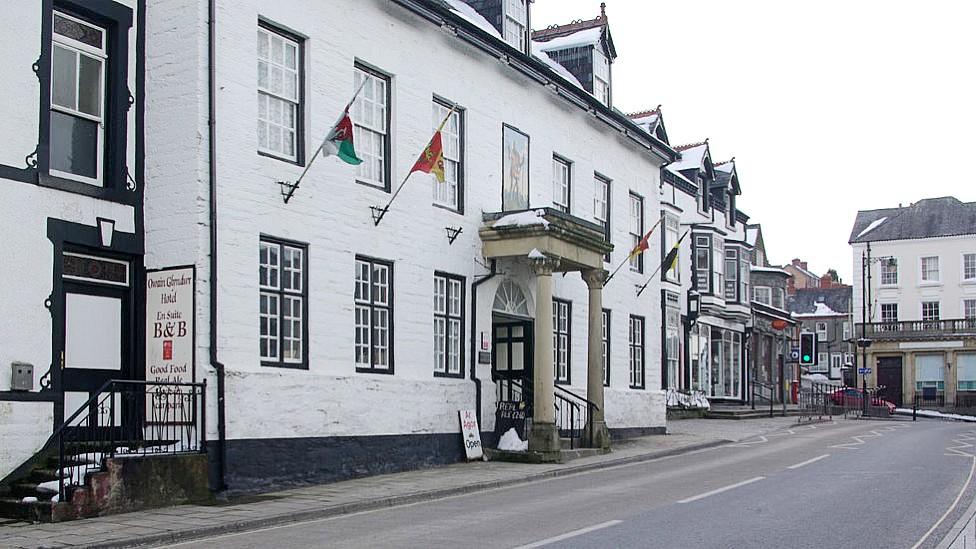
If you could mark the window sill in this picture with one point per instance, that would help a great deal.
(110, 192)
(636, 387)
(451, 209)
(362, 370)
(384, 188)
(930, 284)
(286, 365)
(287, 160)
(459, 375)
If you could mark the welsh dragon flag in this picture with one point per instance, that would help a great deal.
(338, 142)
(432, 159)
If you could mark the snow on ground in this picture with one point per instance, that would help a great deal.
(874, 225)
(523, 219)
(935, 414)
(510, 442)
(696, 399)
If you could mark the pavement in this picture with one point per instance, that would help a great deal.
(190, 522)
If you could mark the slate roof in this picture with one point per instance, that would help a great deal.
(927, 218)
(804, 301)
(559, 31)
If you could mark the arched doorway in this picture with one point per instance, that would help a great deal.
(512, 339)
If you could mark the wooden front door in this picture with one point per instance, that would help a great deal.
(511, 360)
(889, 377)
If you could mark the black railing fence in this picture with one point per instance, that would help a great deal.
(129, 418)
(816, 399)
(763, 392)
(572, 411)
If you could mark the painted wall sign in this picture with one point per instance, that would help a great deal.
(509, 414)
(170, 348)
(470, 434)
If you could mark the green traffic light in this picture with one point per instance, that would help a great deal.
(806, 358)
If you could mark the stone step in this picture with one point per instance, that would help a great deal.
(15, 508)
(570, 455)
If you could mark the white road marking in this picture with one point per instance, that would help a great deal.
(572, 534)
(720, 490)
(808, 462)
(972, 468)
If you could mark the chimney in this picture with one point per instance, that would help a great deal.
(826, 281)
(795, 262)
(803, 265)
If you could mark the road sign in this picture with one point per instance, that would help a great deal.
(794, 354)
(863, 371)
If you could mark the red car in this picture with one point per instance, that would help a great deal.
(852, 397)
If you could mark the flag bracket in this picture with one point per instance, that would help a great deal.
(287, 190)
(378, 213)
(453, 233)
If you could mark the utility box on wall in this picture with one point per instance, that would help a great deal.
(21, 376)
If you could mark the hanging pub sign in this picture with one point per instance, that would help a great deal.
(170, 349)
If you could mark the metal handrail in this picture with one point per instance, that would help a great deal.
(124, 411)
(753, 383)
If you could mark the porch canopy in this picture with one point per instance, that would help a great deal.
(554, 241)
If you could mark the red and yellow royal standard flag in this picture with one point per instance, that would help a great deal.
(432, 159)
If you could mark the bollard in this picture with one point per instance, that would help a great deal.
(914, 411)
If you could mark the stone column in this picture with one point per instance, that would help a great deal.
(596, 434)
(543, 436)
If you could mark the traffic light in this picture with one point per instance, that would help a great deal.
(808, 349)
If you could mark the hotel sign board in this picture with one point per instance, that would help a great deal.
(170, 348)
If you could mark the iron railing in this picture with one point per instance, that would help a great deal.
(851, 402)
(959, 327)
(928, 401)
(125, 418)
(816, 399)
(762, 391)
(573, 416)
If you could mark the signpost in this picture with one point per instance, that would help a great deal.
(863, 371)
(170, 348)
(470, 434)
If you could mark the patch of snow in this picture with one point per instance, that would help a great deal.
(821, 379)
(49, 486)
(690, 158)
(536, 254)
(510, 442)
(822, 310)
(935, 414)
(539, 53)
(523, 219)
(585, 37)
(759, 269)
(468, 13)
(726, 167)
(56, 498)
(752, 235)
(29, 499)
(872, 226)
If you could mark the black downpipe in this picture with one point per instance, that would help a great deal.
(212, 128)
(474, 333)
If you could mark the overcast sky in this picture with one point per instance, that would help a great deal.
(828, 107)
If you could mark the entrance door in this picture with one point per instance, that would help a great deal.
(889, 376)
(511, 361)
(96, 333)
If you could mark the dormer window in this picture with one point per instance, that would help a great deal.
(702, 195)
(601, 76)
(515, 22)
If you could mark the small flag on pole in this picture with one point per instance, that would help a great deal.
(432, 159)
(338, 142)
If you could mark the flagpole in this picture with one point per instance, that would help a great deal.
(640, 290)
(626, 259)
(292, 188)
(377, 217)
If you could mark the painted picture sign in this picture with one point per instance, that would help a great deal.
(470, 434)
(515, 169)
(170, 313)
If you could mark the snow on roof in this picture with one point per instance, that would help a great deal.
(822, 310)
(536, 254)
(467, 12)
(646, 118)
(759, 269)
(586, 37)
(752, 234)
(523, 219)
(541, 55)
(874, 225)
(690, 158)
(726, 166)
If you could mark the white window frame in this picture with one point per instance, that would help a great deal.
(969, 308)
(718, 266)
(821, 329)
(922, 371)
(778, 298)
(636, 209)
(453, 146)
(373, 296)
(635, 340)
(606, 319)
(823, 359)
(562, 181)
(514, 23)
(889, 272)
(283, 283)
(968, 270)
(101, 55)
(703, 272)
(847, 330)
(372, 134)
(891, 307)
(938, 310)
(448, 324)
(672, 226)
(562, 326)
(601, 82)
(925, 274)
(966, 372)
(672, 345)
(270, 99)
(762, 294)
(731, 288)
